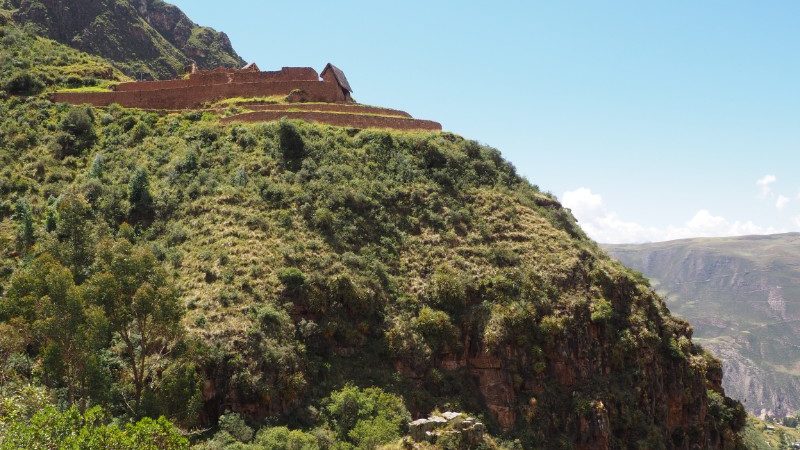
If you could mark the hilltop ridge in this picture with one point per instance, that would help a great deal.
(146, 39)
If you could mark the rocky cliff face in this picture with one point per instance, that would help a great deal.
(145, 38)
(740, 295)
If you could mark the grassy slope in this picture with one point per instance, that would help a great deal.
(759, 435)
(53, 63)
(124, 35)
(738, 293)
(368, 221)
(384, 226)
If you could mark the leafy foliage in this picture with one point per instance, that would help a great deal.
(366, 418)
(139, 196)
(23, 83)
(29, 63)
(142, 308)
(77, 132)
(46, 427)
(204, 270)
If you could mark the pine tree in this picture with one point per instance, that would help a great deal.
(25, 232)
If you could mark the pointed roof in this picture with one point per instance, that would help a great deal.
(251, 67)
(339, 75)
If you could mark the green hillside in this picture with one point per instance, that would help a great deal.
(144, 38)
(740, 294)
(290, 285)
(759, 435)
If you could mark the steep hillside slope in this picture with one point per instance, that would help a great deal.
(331, 280)
(741, 295)
(30, 63)
(144, 38)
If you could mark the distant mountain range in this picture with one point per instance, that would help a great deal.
(742, 296)
(147, 39)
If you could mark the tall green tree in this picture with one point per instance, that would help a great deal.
(73, 229)
(24, 218)
(139, 196)
(293, 149)
(142, 307)
(44, 304)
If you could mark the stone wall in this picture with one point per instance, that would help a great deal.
(337, 107)
(194, 96)
(339, 119)
(223, 77)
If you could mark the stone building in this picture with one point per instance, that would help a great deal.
(333, 74)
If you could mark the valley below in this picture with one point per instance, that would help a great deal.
(741, 296)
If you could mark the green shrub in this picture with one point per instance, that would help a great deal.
(23, 83)
(366, 417)
(448, 289)
(601, 310)
(179, 393)
(282, 438)
(368, 434)
(407, 344)
(139, 131)
(52, 428)
(437, 328)
(24, 218)
(726, 410)
(98, 165)
(293, 149)
(236, 426)
(293, 279)
(509, 324)
(77, 132)
(139, 197)
(187, 164)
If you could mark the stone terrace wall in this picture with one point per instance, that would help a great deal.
(207, 78)
(339, 119)
(194, 96)
(338, 107)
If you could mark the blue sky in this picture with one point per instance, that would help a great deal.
(651, 120)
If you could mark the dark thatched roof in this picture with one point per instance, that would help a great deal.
(339, 75)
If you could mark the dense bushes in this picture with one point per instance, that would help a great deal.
(293, 149)
(365, 417)
(139, 196)
(23, 83)
(106, 331)
(352, 418)
(77, 132)
(306, 257)
(29, 420)
(727, 411)
(30, 64)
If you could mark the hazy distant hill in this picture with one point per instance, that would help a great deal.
(742, 295)
(144, 38)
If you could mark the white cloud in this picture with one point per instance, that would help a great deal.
(764, 184)
(606, 226)
(781, 202)
(583, 201)
(796, 221)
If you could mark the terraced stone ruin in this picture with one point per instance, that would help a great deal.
(291, 92)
